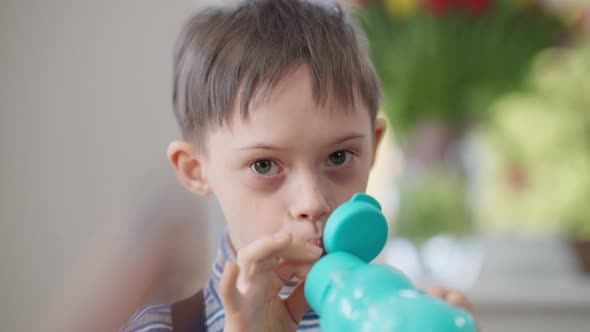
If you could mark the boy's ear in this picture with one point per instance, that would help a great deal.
(378, 134)
(188, 166)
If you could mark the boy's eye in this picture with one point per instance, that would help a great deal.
(340, 158)
(265, 167)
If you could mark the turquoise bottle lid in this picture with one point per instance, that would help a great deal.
(357, 227)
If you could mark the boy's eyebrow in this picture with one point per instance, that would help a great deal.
(348, 137)
(261, 145)
(267, 146)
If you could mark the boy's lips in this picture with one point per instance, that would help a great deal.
(319, 243)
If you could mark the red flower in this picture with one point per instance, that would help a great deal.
(440, 7)
(476, 7)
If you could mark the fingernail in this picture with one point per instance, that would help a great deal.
(314, 249)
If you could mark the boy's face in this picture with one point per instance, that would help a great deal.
(290, 164)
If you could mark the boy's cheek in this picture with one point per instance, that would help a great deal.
(349, 177)
(259, 185)
(250, 217)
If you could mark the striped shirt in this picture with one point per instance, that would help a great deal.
(158, 318)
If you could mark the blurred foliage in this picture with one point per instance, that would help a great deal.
(541, 142)
(431, 205)
(449, 59)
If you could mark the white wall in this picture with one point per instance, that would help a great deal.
(85, 117)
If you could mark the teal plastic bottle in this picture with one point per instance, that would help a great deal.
(351, 295)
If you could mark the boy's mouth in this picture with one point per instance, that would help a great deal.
(319, 243)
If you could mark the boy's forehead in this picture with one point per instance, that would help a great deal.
(289, 119)
(305, 132)
(295, 91)
(290, 115)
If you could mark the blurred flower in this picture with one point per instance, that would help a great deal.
(476, 7)
(443, 64)
(401, 8)
(525, 3)
(517, 178)
(439, 7)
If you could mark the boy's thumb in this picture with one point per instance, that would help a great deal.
(296, 303)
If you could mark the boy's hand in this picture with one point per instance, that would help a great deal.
(250, 290)
(454, 298)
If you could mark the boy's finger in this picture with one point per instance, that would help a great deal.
(263, 249)
(459, 300)
(439, 292)
(296, 303)
(286, 271)
(454, 298)
(268, 250)
(301, 252)
(230, 296)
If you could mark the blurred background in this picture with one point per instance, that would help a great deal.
(90, 211)
(484, 176)
(487, 175)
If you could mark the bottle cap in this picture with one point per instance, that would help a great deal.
(357, 227)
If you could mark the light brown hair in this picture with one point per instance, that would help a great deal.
(229, 55)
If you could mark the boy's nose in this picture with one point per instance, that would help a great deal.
(310, 204)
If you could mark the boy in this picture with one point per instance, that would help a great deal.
(277, 103)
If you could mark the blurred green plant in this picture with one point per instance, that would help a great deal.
(431, 205)
(541, 143)
(449, 59)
